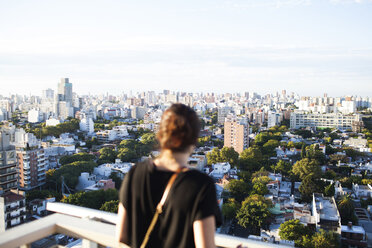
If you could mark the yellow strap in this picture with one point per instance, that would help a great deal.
(149, 230)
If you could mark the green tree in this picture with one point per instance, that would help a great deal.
(107, 154)
(325, 239)
(230, 208)
(68, 159)
(329, 190)
(283, 167)
(238, 189)
(127, 154)
(292, 230)
(251, 159)
(346, 209)
(213, 157)
(228, 154)
(260, 189)
(110, 206)
(307, 188)
(269, 147)
(303, 151)
(91, 199)
(254, 212)
(306, 167)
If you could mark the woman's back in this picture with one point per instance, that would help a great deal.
(191, 198)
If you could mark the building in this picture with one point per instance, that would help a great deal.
(326, 214)
(8, 163)
(32, 167)
(12, 209)
(87, 125)
(35, 116)
(353, 236)
(236, 134)
(48, 94)
(274, 118)
(65, 90)
(222, 114)
(332, 120)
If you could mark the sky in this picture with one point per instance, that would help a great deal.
(309, 47)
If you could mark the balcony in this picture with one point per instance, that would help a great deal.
(95, 228)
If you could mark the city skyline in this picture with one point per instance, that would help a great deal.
(304, 46)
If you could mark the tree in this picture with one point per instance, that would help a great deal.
(250, 159)
(110, 206)
(325, 239)
(230, 208)
(303, 151)
(269, 147)
(307, 188)
(70, 173)
(213, 157)
(254, 212)
(282, 167)
(346, 208)
(92, 199)
(68, 159)
(228, 154)
(127, 154)
(107, 154)
(329, 190)
(306, 167)
(260, 189)
(238, 189)
(292, 230)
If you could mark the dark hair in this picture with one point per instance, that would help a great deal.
(179, 128)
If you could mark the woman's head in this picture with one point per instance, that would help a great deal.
(179, 128)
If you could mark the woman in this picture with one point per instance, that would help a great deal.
(190, 213)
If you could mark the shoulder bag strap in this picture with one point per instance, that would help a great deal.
(159, 207)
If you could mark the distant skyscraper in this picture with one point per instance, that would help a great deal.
(236, 134)
(65, 89)
(48, 94)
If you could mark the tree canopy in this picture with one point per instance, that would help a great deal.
(254, 212)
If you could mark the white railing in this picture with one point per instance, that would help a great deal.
(95, 228)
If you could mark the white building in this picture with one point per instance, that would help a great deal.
(106, 135)
(121, 131)
(332, 120)
(326, 214)
(12, 209)
(274, 118)
(87, 125)
(35, 116)
(52, 122)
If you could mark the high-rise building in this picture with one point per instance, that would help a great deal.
(8, 163)
(236, 133)
(65, 89)
(31, 167)
(48, 94)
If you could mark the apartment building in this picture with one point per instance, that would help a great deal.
(12, 209)
(236, 133)
(8, 163)
(32, 167)
(301, 119)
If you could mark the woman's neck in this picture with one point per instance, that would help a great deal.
(172, 161)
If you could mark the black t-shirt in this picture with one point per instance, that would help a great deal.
(192, 197)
